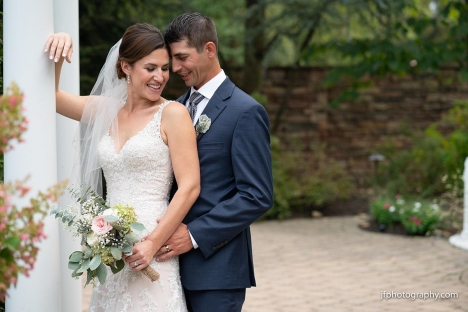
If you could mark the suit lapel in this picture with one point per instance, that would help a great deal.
(217, 103)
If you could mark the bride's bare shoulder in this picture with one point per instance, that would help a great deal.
(175, 110)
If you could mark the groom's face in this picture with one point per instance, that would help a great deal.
(189, 64)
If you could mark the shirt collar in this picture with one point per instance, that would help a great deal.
(209, 88)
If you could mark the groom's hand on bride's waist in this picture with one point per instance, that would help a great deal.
(177, 244)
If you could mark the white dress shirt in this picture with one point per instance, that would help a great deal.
(207, 90)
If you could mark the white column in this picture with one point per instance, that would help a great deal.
(461, 240)
(66, 20)
(27, 25)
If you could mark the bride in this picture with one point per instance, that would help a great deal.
(141, 141)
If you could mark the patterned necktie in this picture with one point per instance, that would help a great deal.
(195, 98)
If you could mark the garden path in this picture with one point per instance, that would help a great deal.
(329, 264)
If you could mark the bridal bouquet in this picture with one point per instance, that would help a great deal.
(107, 233)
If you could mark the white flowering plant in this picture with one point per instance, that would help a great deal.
(418, 216)
(106, 233)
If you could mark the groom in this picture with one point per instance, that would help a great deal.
(214, 241)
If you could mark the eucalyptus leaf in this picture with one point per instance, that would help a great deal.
(116, 253)
(73, 265)
(76, 256)
(101, 273)
(126, 248)
(111, 219)
(87, 253)
(89, 277)
(118, 266)
(137, 226)
(84, 265)
(76, 273)
(132, 238)
(95, 262)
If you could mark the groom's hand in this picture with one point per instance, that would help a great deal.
(177, 244)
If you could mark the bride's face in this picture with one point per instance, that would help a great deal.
(149, 75)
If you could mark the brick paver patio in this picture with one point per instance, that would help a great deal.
(329, 264)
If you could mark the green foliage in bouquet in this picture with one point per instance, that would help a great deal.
(106, 233)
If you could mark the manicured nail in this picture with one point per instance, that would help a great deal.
(51, 56)
(56, 60)
(45, 50)
(64, 54)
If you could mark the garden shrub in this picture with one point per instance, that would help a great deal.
(305, 180)
(418, 216)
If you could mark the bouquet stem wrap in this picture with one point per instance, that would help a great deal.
(151, 273)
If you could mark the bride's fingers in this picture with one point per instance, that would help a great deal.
(48, 43)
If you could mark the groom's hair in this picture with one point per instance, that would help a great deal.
(138, 41)
(195, 27)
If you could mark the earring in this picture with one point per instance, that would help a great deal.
(128, 78)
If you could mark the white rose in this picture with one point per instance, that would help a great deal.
(92, 239)
(115, 213)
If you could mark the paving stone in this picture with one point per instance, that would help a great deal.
(329, 264)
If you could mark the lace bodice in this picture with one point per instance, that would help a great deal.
(140, 175)
(142, 169)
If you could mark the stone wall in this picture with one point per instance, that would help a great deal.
(353, 130)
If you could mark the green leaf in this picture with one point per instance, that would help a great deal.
(89, 277)
(111, 219)
(76, 273)
(73, 265)
(87, 253)
(12, 243)
(137, 226)
(116, 253)
(76, 256)
(101, 273)
(132, 238)
(95, 262)
(6, 254)
(84, 266)
(126, 248)
(118, 266)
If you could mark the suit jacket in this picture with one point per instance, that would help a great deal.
(236, 189)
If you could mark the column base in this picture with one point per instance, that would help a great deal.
(459, 241)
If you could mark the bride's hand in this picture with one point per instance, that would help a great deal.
(59, 45)
(143, 253)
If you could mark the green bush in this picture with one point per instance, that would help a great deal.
(305, 180)
(418, 216)
(436, 153)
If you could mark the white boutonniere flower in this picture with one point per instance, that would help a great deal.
(203, 124)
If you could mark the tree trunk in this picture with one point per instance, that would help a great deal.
(253, 46)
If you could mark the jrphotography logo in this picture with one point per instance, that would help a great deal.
(387, 295)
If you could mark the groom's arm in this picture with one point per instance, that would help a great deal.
(251, 162)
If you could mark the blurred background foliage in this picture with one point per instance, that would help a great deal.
(354, 38)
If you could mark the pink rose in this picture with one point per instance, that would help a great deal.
(100, 226)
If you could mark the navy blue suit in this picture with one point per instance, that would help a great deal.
(236, 189)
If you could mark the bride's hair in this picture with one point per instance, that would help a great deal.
(138, 41)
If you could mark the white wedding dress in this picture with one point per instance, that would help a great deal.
(140, 175)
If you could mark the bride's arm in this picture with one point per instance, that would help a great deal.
(59, 47)
(179, 133)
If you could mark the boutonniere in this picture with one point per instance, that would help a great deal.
(203, 124)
